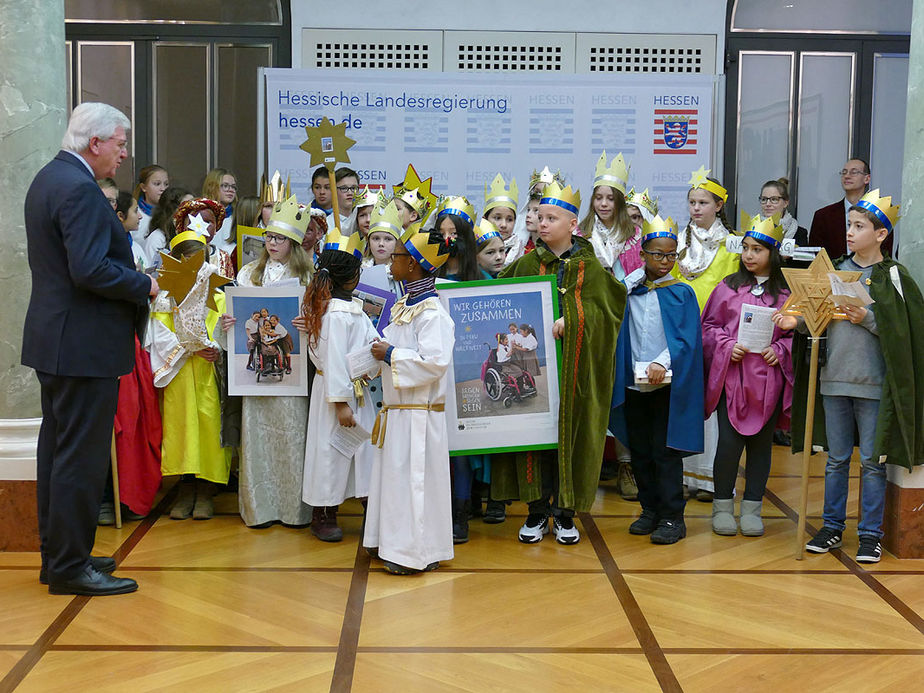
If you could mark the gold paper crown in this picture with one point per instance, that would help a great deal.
(289, 219)
(566, 198)
(274, 191)
(485, 231)
(500, 196)
(386, 219)
(659, 228)
(457, 205)
(616, 175)
(642, 200)
(546, 177)
(766, 229)
(366, 197)
(881, 207)
(186, 236)
(428, 248)
(416, 192)
(698, 179)
(353, 244)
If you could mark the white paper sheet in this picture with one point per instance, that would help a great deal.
(361, 362)
(348, 440)
(849, 293)
(755, 327)
(641, 373)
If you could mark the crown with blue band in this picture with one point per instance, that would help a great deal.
(485, 231)
(354, 244)
(881, 207)
(458, 206)
(428, 248)
(566, 198)
(764, 229)
(659, 228)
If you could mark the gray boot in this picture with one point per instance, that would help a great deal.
(751, 525)
(723, 517)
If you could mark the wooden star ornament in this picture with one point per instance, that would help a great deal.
(811, 293)
(327, 144)
(179, 276)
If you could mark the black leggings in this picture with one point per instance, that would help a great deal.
(728, 455)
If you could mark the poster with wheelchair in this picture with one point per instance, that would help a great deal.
(266, 353)
(503, 390)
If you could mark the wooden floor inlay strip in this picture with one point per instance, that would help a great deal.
(345, 665)
(646, 637)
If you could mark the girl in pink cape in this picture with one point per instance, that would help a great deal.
(751, 389)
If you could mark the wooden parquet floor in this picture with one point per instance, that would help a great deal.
(225, 608)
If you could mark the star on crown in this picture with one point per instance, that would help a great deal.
(198, 225)
(699, 177)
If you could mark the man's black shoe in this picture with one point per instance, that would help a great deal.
(103, 564)
(92, 583)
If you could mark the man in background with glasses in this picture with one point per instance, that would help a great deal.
(829, 225)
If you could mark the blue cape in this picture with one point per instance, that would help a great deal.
(684, 334)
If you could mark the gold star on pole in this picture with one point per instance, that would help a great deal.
(327, 144)
(811, 293)
(179, 276)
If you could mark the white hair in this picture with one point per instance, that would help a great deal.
(91, 120)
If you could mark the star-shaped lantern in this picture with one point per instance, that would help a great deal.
(811, 293)
(179, 276)
(327, 144)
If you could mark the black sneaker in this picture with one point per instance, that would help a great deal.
(669, 532)
(535, 527)
(645, 524)
(827, 538)
(495, 512)
(870, 550)
(565, 531)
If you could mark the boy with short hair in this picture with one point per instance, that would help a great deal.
(876, 384)
(659, 421)
(320, 188)
(409, 513)
(347, 181)
(559, 482)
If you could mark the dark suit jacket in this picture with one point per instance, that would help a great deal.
(87, 299)
(829, 230)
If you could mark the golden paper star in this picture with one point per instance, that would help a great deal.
(327, 144)
(699, 176)
(412, 180)
(811, 293)
(179, 276)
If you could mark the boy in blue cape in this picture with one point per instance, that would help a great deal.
(658, 392)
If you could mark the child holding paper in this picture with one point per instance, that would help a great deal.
(749, 384)
(873, 384)
(659, 420)
(336, 326)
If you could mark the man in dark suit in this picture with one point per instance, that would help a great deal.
(829, 225)
(87, 302)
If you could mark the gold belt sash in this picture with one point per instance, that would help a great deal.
(381, 422)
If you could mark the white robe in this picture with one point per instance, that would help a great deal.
(330, 476)
(409, 514)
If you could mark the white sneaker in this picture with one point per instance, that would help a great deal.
(565, 531)
(535, 527)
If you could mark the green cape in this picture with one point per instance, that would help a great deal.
(900, 427)
(593, 301)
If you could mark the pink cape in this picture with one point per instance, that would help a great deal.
(752, 387)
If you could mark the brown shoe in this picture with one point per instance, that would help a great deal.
(626, 482)
(324, 524)
(183, 506)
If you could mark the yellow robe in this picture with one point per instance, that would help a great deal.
(723, 264)
(190, 407)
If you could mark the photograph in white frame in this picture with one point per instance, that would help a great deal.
(503, 392)
(267, 355)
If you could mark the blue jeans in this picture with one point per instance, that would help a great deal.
(840, 415)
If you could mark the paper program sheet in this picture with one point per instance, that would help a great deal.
(755, 327)
(849, 293)
(348, 440)
(361, 362)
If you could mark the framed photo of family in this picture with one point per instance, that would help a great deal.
(503, 384)
(267, 356)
